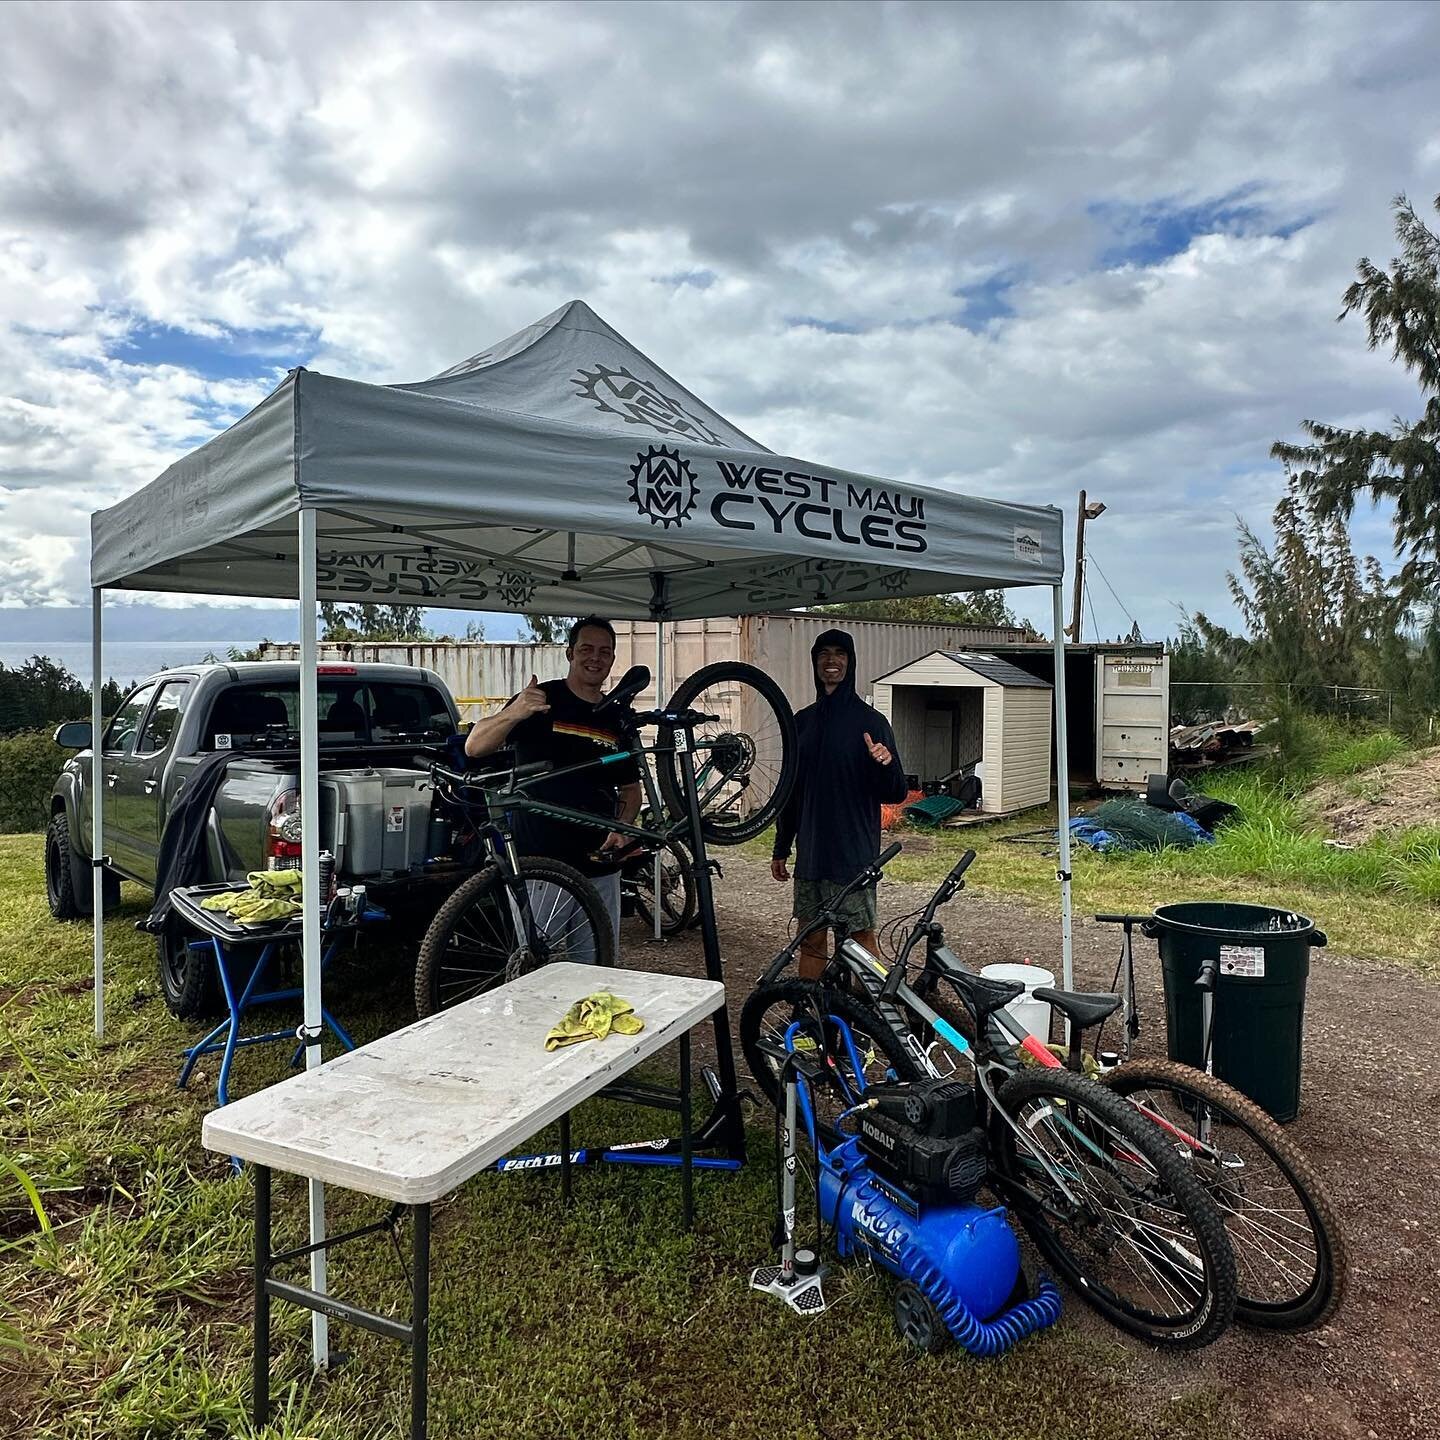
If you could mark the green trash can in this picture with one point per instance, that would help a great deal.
(1264, 959)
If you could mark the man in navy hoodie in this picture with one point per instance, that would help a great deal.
(848, 768)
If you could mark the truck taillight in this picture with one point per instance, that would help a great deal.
(282, 832)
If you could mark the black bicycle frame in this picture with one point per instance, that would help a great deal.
(724, 1129)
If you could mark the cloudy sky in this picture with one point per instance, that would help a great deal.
(1016, 249)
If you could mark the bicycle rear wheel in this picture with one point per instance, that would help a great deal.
(474, 944)
(1114, 1209)
(770, 1010)
(677, 887)
(745, 759)
(1289, 1248)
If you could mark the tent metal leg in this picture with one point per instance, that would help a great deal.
(659, 701)
(97, 808)
(1062, 798)
(310, 852)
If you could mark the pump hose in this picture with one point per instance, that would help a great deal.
(980, 1337)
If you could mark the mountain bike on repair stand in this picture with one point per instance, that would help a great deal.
(1104, 1196)
(724, 763)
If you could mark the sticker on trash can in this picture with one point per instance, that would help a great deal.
(1244, 960)
(396, 820)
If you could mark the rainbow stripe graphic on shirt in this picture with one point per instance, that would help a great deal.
(605, 739)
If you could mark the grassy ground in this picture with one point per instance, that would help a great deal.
(126, 1308)
(1377, 901)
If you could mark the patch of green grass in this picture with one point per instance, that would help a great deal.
(1363, 752)
(131, 1319)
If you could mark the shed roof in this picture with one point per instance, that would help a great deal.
(988, 667)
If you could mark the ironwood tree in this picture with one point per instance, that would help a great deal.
(1401, 309)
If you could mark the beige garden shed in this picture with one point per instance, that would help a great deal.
(953, 708)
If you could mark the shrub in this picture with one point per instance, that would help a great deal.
(29, 763)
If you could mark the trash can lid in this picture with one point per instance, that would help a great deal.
(1226, 920)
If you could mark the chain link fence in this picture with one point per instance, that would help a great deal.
(1196, 702)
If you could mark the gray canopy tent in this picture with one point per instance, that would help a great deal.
(559, 472)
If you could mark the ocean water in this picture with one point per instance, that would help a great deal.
(125, 661)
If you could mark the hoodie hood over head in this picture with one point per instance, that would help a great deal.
(841, 640)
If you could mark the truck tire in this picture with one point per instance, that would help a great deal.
(187, 977)
(68, 886)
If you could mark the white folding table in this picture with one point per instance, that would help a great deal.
(416, 1113)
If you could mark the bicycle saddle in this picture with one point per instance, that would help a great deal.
(983, 996)
(1083, 1007)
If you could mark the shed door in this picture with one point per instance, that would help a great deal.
(1132, 708)
(939, 743)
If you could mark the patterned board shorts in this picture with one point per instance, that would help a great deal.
(857, 909)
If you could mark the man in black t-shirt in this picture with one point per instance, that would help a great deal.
(568, 722)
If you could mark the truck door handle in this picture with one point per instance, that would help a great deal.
(150, 785)
(111, 777)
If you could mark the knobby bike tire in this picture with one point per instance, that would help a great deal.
(728, 827)
(677, 911)
(802, 997)
(1180, 1197)
(482, 899)
(1317, 1300)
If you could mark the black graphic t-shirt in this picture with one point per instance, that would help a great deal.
(572, 732)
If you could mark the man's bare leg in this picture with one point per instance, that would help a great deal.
(814, 954)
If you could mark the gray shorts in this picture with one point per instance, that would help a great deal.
(856, 910)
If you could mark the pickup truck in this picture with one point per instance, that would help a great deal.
(375, 795)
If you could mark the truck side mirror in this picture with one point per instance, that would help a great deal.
(74, 735)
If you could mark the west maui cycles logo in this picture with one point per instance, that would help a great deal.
(662, 485)
(786, 503)
(515, 588)
(640, 402)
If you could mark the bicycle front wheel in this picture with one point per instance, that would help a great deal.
(479, 940)
(1113, 1208)
(745, 759)
(1289, 1249)
(879, 1052)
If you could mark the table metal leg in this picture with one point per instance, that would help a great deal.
(565, 1192)
(687, 1170)
(420, 1327)
(262, 1297)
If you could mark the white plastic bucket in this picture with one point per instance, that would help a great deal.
(1033, 1014)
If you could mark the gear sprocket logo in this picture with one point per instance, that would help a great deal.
(662, 486)
(515, 588)
(640, 402)
(894, 581)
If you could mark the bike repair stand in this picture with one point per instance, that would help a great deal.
(799, 1278)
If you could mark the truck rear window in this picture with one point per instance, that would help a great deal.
(351, 711)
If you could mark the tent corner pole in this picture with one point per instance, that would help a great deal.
(658, 880)
(1062, 793)
(311, 898)
(97, 807)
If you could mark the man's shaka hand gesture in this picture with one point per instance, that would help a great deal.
(531, 700)
(879, 753)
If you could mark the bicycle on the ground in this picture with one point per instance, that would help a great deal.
(1107, 1200)
(1284, 1229)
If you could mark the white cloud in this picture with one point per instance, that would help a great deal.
(1019, 249)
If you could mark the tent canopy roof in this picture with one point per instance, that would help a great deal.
(560, 472)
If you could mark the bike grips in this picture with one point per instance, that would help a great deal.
(961, 866)
(888, 854)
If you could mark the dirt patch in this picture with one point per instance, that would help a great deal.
(1383, 800)
(1367, 1122)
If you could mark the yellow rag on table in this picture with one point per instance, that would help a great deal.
(593, 1018)
(273, 895)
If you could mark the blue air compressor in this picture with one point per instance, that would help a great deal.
(902, 1190)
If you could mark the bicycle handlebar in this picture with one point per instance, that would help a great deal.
(1209, 973)
(1122, 919)
(511, 772)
